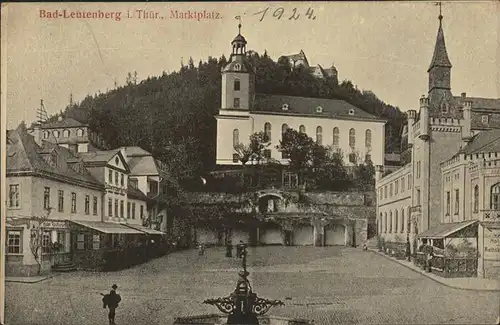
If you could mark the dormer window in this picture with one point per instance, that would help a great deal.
(117, 160)
(237, 67)
(319, 109)
(66, 133)
(45, 135)
(56, 134)
(284, 107)
(351, 112)
(79, 132)
(485, 119)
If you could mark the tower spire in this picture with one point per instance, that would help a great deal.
(440, 57)
(239, 25)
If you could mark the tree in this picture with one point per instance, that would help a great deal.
(244, 152)
(258, 143)
(37, 224)
(299, 148)
(364, 174)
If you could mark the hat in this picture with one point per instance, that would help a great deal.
(114, 286)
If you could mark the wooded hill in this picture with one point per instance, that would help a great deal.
(172, 115)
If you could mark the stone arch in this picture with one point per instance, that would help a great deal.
(270, 202)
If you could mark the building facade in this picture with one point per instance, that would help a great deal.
(445, 126)
(357, 134)
(300, 60)
(66, 206)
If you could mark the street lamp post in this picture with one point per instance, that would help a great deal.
(243, 306)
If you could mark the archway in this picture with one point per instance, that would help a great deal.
(335, 235)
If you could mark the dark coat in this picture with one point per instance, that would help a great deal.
(111, 300)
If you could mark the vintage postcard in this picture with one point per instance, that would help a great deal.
(250, 163)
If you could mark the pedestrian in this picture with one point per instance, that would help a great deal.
(242, 247)
(111, 301)
(229, 249)
(365, 248)
(201, 249)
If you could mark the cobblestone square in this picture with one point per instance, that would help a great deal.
(332, 285)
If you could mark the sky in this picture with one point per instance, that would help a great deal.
(385, 47)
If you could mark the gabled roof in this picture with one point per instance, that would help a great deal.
(483, 142)
(331, 108)
(440, 57)
(135, 152)
(102, 157)
(135, 193)
(64, 123)
(298, 56)
(142, 166)
(25, 155)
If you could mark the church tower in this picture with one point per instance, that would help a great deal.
(441, 103)
(238, 79)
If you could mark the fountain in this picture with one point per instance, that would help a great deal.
(242, 307)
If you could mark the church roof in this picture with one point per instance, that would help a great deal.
(240, 39)
(64, 123)
(330, 108)
(483, 142)
(440, 57)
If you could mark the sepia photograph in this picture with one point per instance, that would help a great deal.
(246, 163)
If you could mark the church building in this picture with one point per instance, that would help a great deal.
(450, 147)
(330, 122)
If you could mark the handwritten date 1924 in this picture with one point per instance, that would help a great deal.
(290, 14)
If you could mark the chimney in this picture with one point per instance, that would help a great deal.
(37, 134)
(464, 95)
(424, 118)
(466, 122)
(412, 115)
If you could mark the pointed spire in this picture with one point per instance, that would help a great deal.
(440, 57)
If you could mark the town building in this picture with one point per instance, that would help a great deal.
(300, 60)
(74, 204)
(413, 201)
(356, 133)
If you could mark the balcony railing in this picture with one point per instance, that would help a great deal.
(491, 215)
(416, 209)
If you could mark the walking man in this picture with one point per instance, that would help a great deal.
(111, 301)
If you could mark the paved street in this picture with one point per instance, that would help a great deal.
(330, 285)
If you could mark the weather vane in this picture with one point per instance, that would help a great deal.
(440, 14)
(239, 25)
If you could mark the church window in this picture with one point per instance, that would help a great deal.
(336, 137)
(352, 138)
(236, 157)
(319, 135)
(79, 132)
(476, 198)
(495, 197)
(236, 137)
(66, 133)
(237, 67)
(284, 127)
(484, 119)
(236, 103)
(351, 112)
(267, 153)
(237, 84)
(267, 131)
(368, 138)
(302, 129)
(352, 158)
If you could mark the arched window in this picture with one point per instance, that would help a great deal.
(79, 132)
(390, 221)
(319, 135)
(396, 221)
(403, 222)
(45, 135)
(284, 127)
(56, 133)
(476, 198)
(302, 129)
(495, 197)
(409, 221)
(236, 137)
(236, 84)
(267, 131)
(336, 137)
(368, 138)
(66, 133)
(385, 221)
(352, 138)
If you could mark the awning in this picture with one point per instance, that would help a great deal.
(445, 229)
(109, 227)
(148, 231)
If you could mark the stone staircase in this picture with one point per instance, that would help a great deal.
(64, 267)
